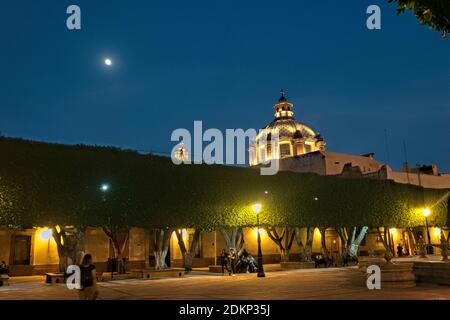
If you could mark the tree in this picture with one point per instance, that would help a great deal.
(323, 243)
(306, 248)
(119, 239)
(351, 238)
(193, 249)
(434, 13)
(234, 239)
(159, 242)
(385, 235)
(56, 185)
(70, 245)
(288, 235)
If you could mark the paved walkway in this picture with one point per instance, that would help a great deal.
(331, 283)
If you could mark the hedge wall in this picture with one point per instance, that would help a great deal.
(47, 184)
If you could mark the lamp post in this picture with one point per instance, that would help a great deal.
(104, 188)
(426, 212)
(256, 209)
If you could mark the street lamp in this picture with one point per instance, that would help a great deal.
(426, 212)
(104, 188)
(257, 209)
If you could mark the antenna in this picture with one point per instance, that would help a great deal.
(387, 146)
(406, 160)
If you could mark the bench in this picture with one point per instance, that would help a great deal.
(106, 276)
(4, 280)
(54, 278)
(217, 269)
(155, 274)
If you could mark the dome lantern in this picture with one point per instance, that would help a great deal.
(283, 109)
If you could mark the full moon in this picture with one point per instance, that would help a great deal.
(108, 62)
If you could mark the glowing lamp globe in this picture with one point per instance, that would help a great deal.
(256, 208)
(426, 212)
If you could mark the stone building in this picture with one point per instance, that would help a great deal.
(301, 149)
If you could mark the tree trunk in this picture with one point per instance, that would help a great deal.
(119, 243)
(325, 251)
(285, 255)
(387, 244)
(354, 245)
(193, 250)
(411, 241)
(160, 259)
(235, 240)
(351, 245)
(159, 241)
(70, 246)
(288, 235)
(306, 248)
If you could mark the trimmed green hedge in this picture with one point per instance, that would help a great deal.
(48, 184)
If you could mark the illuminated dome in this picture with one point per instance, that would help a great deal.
(295, 138)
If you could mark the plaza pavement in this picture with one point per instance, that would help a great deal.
(331, 283)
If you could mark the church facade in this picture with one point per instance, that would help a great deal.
(301, 149)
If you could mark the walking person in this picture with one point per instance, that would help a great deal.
(89, 290)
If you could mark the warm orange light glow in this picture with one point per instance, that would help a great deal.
(437, 231)
(393, 230)
(261, 232)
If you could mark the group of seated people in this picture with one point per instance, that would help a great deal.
(234, 262)
(332, 261)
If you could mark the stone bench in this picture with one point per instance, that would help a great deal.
(216, 269)
(4, 280)
(297, 265)
(436, 272)
(106, 276)
(155, 274)
(54, 278)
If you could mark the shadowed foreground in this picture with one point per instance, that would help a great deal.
(333, 283)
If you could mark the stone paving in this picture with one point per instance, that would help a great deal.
(331, 283)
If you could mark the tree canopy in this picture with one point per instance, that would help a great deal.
(434, 13)
(45, 184)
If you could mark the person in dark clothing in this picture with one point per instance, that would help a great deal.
(224, 262)
(89, 290)
(4, 268)
(232, 259)
(399, 250)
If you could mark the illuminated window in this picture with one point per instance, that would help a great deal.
(299, 148)
(285, 150)
(307, 148)
(269, 151)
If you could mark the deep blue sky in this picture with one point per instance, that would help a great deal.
(224, 62)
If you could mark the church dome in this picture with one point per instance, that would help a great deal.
(290, 128)
(295, 138)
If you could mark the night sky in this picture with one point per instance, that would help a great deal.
(224, 62)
